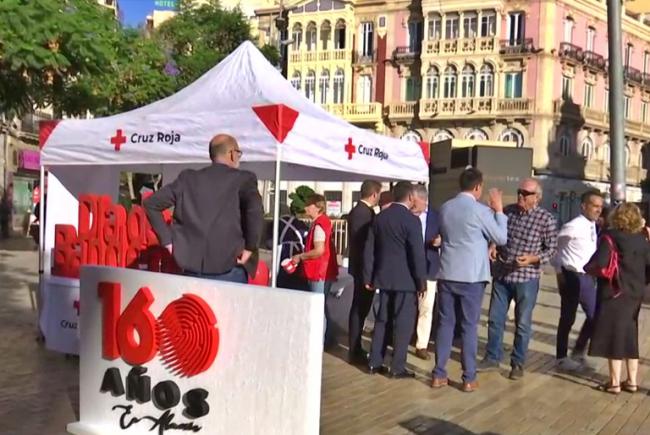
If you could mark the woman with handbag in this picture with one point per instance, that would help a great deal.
(619, 265)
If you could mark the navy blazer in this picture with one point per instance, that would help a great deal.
(393, 255)
(432, 253)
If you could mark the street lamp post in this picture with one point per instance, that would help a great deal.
(616, 103)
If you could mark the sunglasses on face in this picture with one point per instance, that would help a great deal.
(525, 193)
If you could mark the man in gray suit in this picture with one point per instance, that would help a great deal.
(466, 227)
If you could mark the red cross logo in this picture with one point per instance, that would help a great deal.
(350, 149)
(118, 140)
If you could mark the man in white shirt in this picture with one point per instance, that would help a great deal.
(430, 234)
(577, 242)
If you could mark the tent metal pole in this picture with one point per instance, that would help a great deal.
(41, 223)
(276, 216)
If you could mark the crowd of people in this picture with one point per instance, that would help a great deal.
(428, 269)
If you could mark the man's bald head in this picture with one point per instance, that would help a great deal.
(225, 149)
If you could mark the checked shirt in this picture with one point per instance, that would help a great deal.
(533, 232)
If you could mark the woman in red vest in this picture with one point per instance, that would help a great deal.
(319, 259)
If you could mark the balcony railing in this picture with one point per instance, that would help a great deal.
(406, 54)
(516, 47)
(594, 60)
(486, 106)
(571, 51)
(401, 110)
(460, 46)
(632, 74)
(646, 79)
(361, 58)
(319, 55)
(356, 112)
(514, 105)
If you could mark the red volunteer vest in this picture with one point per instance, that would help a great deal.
(324, 267)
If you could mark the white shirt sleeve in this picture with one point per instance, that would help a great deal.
(319, 234)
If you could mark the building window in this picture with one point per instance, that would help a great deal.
(488, 24)
(587, 148)
(467, 82)
(476, 134)
(310, 36)
(416, 29)
(339, 35)
(434, 27)
(567, 88)
(470, 25)
(296, 33)
(325, 34)
(413, 88)
(449, 83)
(382, 22)
(644, 112)
(628, 153)
(629, 49)
(589, 95)
(324, 86)
(339, 85)
(564, 144)
(367, 38)
(512, 135)
(569, 24)
(486, 81)
(442, 135)
(606, 153)
(606, 101)
(452, 28)
(364, 89)
(591, 38)
(646, 63)
(296, 80)
(310, 85)
(626, 107)
(432, 83)
(513, 85)
(515, 28)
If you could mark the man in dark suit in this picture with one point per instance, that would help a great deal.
(218, 216)
(360, 221)
(395, 264)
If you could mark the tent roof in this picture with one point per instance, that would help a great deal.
(177, 129)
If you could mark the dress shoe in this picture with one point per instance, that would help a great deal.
(402, 375)
(375, 370)
(517, 372)
(422, 354)
(439, 382)
(470, 387)
(487, 365)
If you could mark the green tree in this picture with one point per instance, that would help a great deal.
(45, 45)
(298, 199)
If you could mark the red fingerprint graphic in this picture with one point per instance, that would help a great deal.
(187, 335)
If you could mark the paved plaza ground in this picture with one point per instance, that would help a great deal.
(38, 388)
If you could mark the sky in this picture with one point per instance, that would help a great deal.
(135, 11)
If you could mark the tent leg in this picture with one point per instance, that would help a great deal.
(276, 218)
(41, 223)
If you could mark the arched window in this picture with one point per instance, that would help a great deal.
(486, 81)
(606, 152)
(512, 135)
(296, 80)
(339, 86)
(442, 135)
(587, 148)
(432, 83)
(449, 85)
(310, 36)
(411, 136)
(310, 85)
(467, 82)
(325, 34)
(339, 35)
(476, 134)
(324, 86)
(296, 35)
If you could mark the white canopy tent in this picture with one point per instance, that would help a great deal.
(244, 96)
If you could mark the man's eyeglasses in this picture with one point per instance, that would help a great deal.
(525, 193)
(238, 152)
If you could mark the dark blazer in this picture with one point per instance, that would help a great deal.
(393, 255)
(360, 221)
(634, 256)
(431, 252)
(217, 213)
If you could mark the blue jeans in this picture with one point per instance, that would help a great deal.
(466, 297)
(236, 274)
(525, 297)
(323, 287)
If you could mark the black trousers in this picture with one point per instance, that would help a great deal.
(361, 303)
(403, 309)
(578, 289)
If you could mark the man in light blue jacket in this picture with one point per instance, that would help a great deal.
(467, 227)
